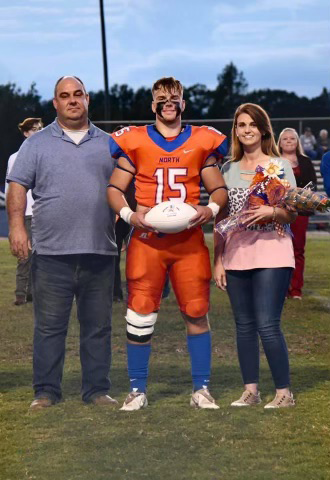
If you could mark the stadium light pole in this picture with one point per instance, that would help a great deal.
(105, 65)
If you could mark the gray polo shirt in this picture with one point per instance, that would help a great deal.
(68, 183)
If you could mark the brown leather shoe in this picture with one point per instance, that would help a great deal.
(40, 403)
(104, 400)
(20, 300)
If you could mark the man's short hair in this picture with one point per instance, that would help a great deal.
(65, 76)
(168, 84)
(28, 123)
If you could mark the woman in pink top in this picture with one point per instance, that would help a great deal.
(255, 265)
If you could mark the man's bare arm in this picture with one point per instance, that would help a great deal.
(119, 182)
(214, 183)
(216, 187)
(16, 206)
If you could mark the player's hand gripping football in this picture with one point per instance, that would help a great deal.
(203, 215)
(138, 221)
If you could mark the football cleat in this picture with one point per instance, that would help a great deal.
(203, 399)
(135, 401)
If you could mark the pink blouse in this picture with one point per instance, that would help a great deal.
(254, 248)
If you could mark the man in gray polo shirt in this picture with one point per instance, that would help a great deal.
(67, 165)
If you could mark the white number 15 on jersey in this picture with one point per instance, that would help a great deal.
(172, 175)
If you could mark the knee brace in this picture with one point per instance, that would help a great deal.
(196, 308)
(140, 327)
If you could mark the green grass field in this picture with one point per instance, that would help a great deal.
(169, 440)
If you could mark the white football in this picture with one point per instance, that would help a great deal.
(170, 217)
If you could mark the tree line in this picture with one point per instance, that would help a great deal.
(129, 104)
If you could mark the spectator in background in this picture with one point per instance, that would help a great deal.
(23, 291)
(308, 143)
(323, 143)
(290, 148)
(325, 171)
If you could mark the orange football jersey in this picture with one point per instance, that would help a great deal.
(167, 169)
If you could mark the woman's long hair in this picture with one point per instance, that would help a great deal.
(299, 149)
(261, 118)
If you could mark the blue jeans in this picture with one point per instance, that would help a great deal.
(56, 279)
(257, 298)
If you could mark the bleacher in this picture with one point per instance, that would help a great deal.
(320, 220)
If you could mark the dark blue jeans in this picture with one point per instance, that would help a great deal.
(257, 298)
(56, 279)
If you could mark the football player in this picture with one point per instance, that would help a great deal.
(168, 161)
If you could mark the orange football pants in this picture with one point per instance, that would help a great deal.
(184, 255)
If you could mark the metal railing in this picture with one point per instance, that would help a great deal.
(299, 123)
